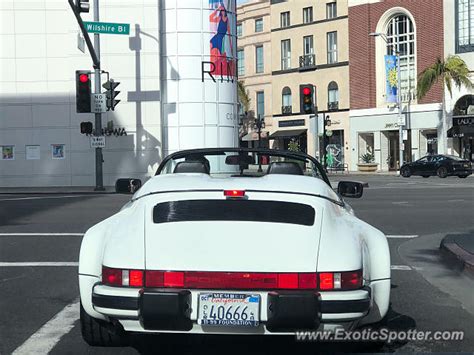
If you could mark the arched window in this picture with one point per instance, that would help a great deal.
(286, 100)
(401, 40)
(333, 96)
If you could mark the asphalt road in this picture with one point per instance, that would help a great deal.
(427, 293)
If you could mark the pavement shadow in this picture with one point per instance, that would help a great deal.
(205, 344)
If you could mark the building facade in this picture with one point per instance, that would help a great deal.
(193, 104)
(254, 68)
(416, 34)
(309, 41)
(459, 40)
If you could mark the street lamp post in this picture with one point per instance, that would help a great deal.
(399, 98)
(259, 124)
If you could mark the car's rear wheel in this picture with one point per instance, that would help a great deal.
(100, 333)
(405, 172)
(442, 172)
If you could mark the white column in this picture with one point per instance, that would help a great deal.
(199, 88)
(415, 144)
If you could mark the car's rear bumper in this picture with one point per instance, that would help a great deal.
(156, 310)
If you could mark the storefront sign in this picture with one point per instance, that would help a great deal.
(291, 123)
(463, 121)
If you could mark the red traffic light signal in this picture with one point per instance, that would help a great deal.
(84, 78)
(307, 99)
(83, 91)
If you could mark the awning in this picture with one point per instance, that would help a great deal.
(461, 131)
(253, 136)
(287, 133)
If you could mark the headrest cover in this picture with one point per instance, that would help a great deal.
(191, 167)
(285, 167)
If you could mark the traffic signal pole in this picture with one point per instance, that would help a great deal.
(95, 55)
(99, 175)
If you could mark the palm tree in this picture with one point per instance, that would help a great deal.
(243, 96)
(452, 70)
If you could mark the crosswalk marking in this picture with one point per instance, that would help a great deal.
(51, 333)
(402, 236)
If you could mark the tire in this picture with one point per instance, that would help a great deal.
(442, 172)
(405, 172)
(96, 332)
(425, 176)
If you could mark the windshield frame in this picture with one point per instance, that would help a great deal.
(261, 151)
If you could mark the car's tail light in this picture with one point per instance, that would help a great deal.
(234, 193)
(230, 280)
(340, 280)
(122, 277)
(324, 281)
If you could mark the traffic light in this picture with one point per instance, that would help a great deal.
(307, 99)
(83, 91)
(82, 6)
(86, 128)
(111, 93)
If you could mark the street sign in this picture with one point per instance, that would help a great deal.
(401, 120)
(81, 43)
(109, 28)
(97, 141)
(98, 103)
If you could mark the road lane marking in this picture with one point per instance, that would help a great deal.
(402, 236)
(40, 263)
(44, 340)
(41, 197)
(401, 267)
(41, 234)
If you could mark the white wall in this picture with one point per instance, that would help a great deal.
(38, 58)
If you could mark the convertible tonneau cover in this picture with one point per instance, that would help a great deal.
(272, 183)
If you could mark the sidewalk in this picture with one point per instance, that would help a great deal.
(55, 190)
(459, 248)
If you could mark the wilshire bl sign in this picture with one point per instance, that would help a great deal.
(108, 28)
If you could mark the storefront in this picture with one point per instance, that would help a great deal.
(462, 130)
(376, 132)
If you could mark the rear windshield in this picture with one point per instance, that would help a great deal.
(234, 210)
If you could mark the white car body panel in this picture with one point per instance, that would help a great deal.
(338, 241)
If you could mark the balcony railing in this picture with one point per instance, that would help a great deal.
(307, 61)
(333, 106)
(286, 110)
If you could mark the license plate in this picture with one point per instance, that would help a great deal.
(229, 309)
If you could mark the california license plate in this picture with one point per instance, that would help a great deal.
(229, 309)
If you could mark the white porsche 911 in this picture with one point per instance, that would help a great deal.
(233, 241)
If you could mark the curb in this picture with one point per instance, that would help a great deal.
(457, 255)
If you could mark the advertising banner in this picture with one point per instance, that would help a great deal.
(391, 78)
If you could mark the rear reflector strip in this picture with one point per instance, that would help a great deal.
(230, 280)
(323, 281)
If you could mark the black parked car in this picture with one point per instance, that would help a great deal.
(441, 165)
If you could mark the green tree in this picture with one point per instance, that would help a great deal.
(453, 70)
(243, 96)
